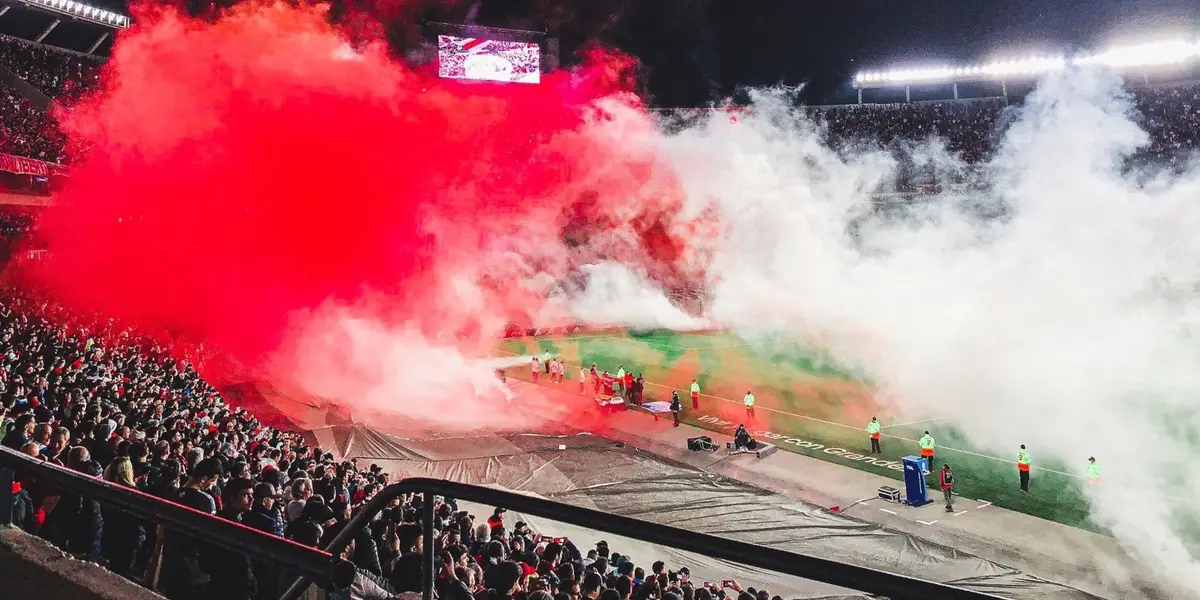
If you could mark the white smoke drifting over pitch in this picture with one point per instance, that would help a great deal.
(1068, 326)
(396, 375)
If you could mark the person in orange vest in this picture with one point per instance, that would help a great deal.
(946, 480)
(927, 448)
(1023, 467)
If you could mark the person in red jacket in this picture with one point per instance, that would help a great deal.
(946, 479)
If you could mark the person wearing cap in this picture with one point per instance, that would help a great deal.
(497, 518)
(309, 528)
(264, 515)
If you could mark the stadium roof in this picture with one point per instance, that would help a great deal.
(80, 27)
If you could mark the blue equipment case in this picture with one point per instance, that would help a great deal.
(916, 491)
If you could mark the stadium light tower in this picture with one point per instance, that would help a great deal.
(1140, 56)
(78, 11)
(82, 12)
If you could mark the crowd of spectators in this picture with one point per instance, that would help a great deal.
(28, 131)
(56, 72)
(968, 128)
(971, 128)
(25, 129)
(91, 395)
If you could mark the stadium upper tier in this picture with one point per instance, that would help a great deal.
(1171, 113)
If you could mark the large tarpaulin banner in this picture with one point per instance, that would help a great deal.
(597, 473)
(28, 166)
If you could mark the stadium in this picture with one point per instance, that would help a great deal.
(462, 301)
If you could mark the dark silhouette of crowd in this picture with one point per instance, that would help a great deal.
(971, 128)
(1171, 113)
(26, 130)
(100, 398)
(968, 128)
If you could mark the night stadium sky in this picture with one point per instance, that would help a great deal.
(699, 51)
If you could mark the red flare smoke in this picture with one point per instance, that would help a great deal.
(246, 168)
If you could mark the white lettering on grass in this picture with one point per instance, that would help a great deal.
(806, 444)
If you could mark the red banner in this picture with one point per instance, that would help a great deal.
(28, 166)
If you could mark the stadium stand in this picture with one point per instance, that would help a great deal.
(103, 399)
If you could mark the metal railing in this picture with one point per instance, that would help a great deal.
(896, 587)
(313, 564)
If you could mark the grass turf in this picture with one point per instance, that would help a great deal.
(801, 393)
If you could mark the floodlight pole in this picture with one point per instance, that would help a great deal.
(860, 94)
(1004, 89)
(48, 30)
(99, 40)
(907, 93)
(955, 84)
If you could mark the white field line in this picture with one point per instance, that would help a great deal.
(890, 512)
(961, 512)
(933, 420)
(984, 505)
(926, 522)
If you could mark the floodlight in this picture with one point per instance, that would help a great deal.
(82, 12)
(1143, 55)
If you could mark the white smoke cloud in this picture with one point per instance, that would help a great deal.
(397, 375)
(617, 295)
(1068, 326)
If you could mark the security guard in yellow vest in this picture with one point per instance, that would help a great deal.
(1023, 464)
(1092, 471)
(927, 448)
(873, 431)
(749, 402)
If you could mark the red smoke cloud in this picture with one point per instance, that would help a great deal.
(245, 169)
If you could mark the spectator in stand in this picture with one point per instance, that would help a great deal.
(123, 535)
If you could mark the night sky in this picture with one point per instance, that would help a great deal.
(695, 52)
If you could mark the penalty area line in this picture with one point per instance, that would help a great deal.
(933, 420)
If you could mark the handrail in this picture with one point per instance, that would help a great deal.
(311, 562)
(896, 587)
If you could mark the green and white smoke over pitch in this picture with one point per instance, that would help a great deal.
(1062, 327)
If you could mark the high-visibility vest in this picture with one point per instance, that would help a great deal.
(1093, 470)
(873, 429)
(927, 445)
(749, 400)
(1023, 461)
(695, 389)
(621, 374)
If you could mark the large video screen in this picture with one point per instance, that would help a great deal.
(489, 60)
